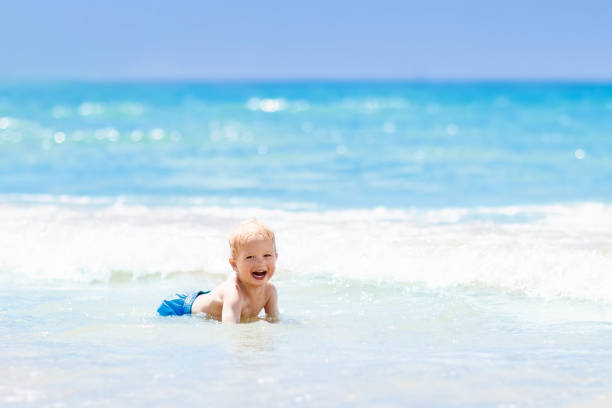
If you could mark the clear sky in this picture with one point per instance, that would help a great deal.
(283, 39)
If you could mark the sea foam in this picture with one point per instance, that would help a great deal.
(548, 251)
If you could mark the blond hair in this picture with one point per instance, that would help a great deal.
(246, 232)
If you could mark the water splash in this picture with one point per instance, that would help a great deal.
(548, 251)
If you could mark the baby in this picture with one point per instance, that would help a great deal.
(241, 297)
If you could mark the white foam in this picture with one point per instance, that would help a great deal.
(550, 251)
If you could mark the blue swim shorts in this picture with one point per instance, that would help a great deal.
(180, 304)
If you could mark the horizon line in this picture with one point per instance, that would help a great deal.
(313, 79)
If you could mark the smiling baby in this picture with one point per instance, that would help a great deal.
(248, 291)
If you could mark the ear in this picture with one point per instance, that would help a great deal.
(233, 263)
(276, 254)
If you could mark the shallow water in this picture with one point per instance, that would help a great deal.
(441, 245)
(361, 325)
(339, 342)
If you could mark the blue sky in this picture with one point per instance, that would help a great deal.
(190, 39)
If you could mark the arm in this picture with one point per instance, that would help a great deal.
(271, 307)
(232, 308)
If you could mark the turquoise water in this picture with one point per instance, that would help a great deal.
(441, 244)
(334, 144)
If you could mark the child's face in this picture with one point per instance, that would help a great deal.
(255, 261)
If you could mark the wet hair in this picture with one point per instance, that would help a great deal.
(246, 232)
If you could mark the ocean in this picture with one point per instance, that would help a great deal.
(441, 244)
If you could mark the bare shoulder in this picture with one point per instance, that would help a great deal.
(271, 291)
(229, 290)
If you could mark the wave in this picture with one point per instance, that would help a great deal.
(544, 250)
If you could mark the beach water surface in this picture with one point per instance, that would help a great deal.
(444, 245)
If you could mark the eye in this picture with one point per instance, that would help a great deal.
(249, 257)
(267, 255)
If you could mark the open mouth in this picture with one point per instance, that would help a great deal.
(259, 275)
